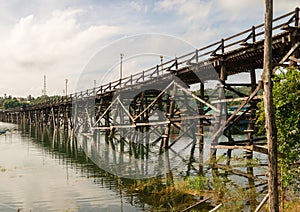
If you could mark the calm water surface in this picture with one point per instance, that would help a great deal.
(39, 176)
(42, 170)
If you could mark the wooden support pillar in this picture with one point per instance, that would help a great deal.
(122, 120)
(252, 189)
(252, 117)
(170, 114)
(201, 130)
(107, 120)
(218, 116)
(249, 154)
(269, 110)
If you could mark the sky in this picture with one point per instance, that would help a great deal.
(59, 38)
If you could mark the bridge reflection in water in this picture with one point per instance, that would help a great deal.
(174, 166)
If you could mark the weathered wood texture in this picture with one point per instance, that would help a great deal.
(269, 111)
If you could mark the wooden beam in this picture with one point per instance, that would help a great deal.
(262, 203)
(196, 204)
(235, 99)
(294, 59)
(216, 208)
(289, 53)
(230, 147)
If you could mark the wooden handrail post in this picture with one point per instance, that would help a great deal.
(253, 34)
(297, 17)
(223, 47)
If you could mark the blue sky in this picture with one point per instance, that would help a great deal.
(57, 38)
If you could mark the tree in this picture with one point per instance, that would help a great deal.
(11, 103)
(287, 99)
(286, 95)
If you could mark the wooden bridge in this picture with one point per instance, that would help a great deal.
(146, 107)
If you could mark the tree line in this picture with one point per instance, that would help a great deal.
(9, 102)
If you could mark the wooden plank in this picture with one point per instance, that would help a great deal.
(289, 53)
(216, 208)
(230, 147)
(235, 99)
(260, 149)
(294, 59)
(262, 203)
(196, 204)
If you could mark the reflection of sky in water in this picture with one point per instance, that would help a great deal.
(34, 180)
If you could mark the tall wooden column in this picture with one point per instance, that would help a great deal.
(201, 130)
(269, 110)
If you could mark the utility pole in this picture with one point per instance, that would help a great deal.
(121, 65)
(66, 87)
(44, 90)
(269, 111)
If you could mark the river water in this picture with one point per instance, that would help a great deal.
(39, 177)
(44, 170)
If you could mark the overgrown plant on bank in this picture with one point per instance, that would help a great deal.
(286, 95)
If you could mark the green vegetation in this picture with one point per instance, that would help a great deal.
(12, 102)
(163, 196)
(9, 102)
(286, 94)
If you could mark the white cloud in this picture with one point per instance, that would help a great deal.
(203, 21)
(139, 6)
(58, 37)
(57, 46)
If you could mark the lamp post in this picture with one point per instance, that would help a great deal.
(161, 61)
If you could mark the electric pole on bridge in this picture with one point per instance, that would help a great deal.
(44, 91)
(121, 65)
(269, 111)
(66, 87)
